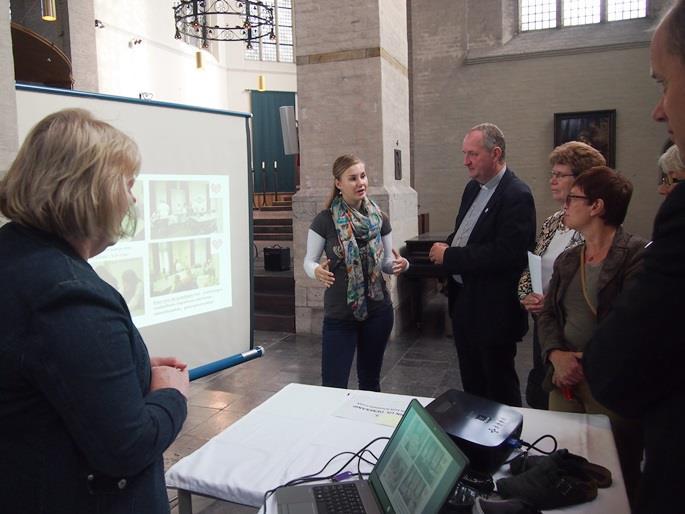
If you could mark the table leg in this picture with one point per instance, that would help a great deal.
(185, 502)
(417, 286)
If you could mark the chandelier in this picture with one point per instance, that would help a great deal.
(224, 20)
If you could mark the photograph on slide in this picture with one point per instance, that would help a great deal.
(177, 264)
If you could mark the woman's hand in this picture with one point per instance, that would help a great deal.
(533, 303)
(323, 274)
(399, 263)
(568, 370)
(168, 361)
(164, 377)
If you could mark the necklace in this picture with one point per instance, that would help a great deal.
(583, 282)
(597, 257)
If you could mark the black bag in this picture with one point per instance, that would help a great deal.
(276, 258)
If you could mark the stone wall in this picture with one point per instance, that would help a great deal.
(353, 97)
(461, 77)
(81, 32)
(8, 104)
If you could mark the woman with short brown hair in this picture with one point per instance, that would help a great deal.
(585, 284)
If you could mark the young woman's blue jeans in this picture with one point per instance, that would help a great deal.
(341, 338)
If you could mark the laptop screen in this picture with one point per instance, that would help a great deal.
(418, 467)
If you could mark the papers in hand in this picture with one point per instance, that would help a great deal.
(535, 267)
(360, 407)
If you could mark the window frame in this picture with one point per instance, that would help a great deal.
(258, 45)
(603, 16)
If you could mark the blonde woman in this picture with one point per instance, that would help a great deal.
(358, 314)
(85, 413)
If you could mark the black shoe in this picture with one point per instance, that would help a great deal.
(548, 486)
(575, 465)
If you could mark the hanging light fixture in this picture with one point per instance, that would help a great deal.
(224, 20)
(48, 10)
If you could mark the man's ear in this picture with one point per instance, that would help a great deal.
(497, 153)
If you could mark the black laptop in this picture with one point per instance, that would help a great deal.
(415, 474)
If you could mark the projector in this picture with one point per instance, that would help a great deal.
(484, 430)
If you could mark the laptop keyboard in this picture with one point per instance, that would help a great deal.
(338, 499)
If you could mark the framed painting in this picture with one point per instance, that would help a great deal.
(596, 128)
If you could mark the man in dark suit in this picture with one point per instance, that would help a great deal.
(485, 255)
(634, 362)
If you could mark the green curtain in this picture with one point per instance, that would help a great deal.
(268, 143)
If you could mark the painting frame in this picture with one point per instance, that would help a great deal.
(597, 128)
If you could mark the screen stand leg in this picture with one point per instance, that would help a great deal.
(185, 503)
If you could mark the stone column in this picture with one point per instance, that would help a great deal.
(83, 51)
(353, 97)
(8, 103)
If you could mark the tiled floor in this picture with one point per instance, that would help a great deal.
(421, 363)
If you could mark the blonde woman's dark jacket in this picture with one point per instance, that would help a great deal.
(80, 430)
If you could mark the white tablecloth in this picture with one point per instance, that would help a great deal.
(295, 432)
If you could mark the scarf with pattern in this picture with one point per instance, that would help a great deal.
(364, 225)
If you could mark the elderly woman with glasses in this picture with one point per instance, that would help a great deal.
(568, 161)
(585, 283)
(672, 170)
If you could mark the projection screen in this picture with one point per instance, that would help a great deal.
(186, 274)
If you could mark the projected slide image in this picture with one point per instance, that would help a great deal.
(184, 208)
(178, 267)
(139, 208)
(125, 276)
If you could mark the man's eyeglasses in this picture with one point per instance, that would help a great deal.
(572, 197)
(669, 180)
(557, 175)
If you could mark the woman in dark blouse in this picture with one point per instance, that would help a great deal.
(358, 314)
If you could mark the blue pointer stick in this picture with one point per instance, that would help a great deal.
(228, 362)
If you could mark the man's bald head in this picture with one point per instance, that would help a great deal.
(668, 68)
(674, 24)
